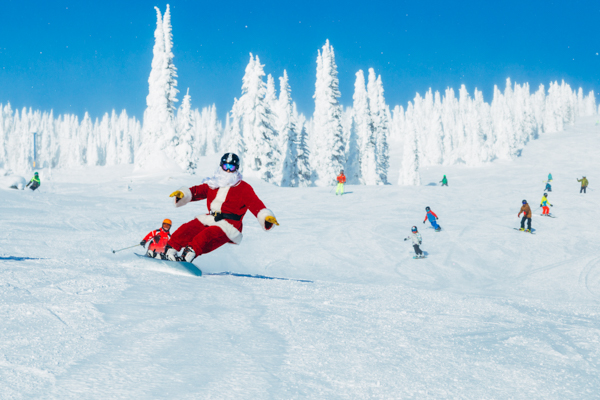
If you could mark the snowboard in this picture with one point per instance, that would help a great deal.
(178, 265)
(532, 230)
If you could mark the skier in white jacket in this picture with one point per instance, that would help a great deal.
(415, 236)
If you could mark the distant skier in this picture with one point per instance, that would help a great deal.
(548, 187)
(444, 181)
(432, 219)
(341, 181)
(584, 184)
(228, 198)
(34, 182)
(158, 240)
(526, 210)
(415, 236)
(544, 203)
(549, 177)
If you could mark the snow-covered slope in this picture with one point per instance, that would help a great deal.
(491, 313)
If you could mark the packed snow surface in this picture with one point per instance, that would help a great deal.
(491, 313)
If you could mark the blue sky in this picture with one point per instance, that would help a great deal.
(95, 55)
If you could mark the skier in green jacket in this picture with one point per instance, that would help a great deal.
(34, 182)
(444, 181)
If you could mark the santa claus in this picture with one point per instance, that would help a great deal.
(228, 198)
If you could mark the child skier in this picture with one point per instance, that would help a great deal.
(526, 210)
(159, 239)
(228, 198)
(34, 182)
(584, 184)
(544, 203)
(444, 181)
(415, 236)
(432, 219)
(341, 179)
(548, 187)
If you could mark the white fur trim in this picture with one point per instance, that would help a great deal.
(232, 233)
(219, 199)
(187, 197)
(262, 215)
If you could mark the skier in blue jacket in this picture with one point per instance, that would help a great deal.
(432, 219)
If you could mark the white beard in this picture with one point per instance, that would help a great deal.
(223, 179)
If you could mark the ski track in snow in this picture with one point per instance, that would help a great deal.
(491, 313)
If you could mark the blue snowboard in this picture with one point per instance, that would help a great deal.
(178, 265)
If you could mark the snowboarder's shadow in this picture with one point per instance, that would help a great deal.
(432, 184)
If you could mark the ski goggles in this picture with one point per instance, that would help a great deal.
(228, 167)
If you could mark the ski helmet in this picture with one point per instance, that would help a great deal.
(427, 209)
(35, 173)
(231, 160)
(545, 194)
(414, 229)
(524, 201)
(167, 221)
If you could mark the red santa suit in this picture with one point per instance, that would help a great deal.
(210, 231)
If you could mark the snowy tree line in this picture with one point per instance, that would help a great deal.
(282, 146)
(448, 130)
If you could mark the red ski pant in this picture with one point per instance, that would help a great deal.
(546, 210)
(203, 239)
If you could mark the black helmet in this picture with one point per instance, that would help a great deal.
(524, 201)
(545, 194)
(231, 159)
(427, 208)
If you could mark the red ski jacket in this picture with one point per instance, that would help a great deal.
(341, 178)
(159, 239)
(427, 215)
(227, 200)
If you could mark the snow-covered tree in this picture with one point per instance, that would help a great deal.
(159, 134)
(365, 132)
(409, 172)
(287, 128)
(328, 151)
(184, 146)
(302, 169)
(252, 134)
(380, 118)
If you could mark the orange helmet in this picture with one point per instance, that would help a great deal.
(167, 221)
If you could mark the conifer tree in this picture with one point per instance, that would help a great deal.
(328, 152)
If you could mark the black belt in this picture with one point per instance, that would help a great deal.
(219, 216)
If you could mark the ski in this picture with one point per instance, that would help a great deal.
(418, 257)
(178, 265)
(547, 215)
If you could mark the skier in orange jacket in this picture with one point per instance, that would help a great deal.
(158, 240)
(341, 179)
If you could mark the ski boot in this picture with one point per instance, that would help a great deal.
(171, 254)
(188, 255)
(151, 254)
(522, 229)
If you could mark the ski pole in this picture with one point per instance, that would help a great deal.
(114, 251)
